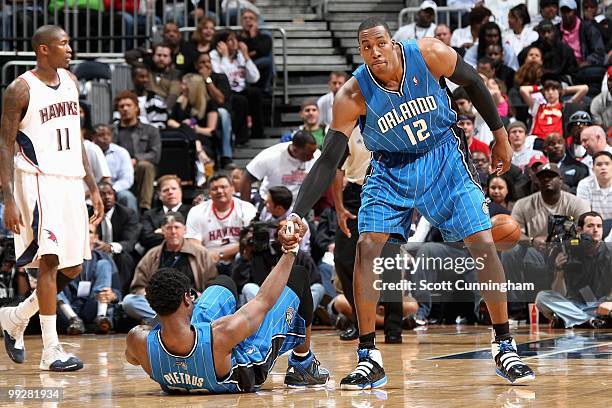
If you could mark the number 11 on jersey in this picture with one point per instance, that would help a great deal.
(59, 139)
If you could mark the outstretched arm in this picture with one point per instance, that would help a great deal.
(16, 99)
(348, 106)
(443, 61)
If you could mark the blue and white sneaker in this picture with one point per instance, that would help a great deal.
(13, 329)
(368, 374)
(306, 373)
(509, 365)
(56, 359)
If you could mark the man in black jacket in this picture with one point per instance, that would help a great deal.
(571, 169)
(589, 50)
(171, 197)
(558, 57)
(119, 230)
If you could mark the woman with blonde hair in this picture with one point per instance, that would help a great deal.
(202, 37)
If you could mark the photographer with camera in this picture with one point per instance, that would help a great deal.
(258, 255)
(581, 292)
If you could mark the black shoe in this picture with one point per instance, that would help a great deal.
(556, 322)
(393, 338)
(409, 323)
(597, 323)
(508, 364)
(343, 322)
(103, 325)
(349, 334)
(368, 374)
(75, 326)
(307, 373)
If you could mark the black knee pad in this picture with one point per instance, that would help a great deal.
(226, 282)
(299, 282)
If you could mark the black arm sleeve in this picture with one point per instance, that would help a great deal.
(467, 76)
(322, 173)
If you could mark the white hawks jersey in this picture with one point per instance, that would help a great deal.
(205, 224)
(49, 136)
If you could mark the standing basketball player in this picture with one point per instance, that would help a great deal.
(419, 160)
(43, 191)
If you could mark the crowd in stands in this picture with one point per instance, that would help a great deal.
(549, 75)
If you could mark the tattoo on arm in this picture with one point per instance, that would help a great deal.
(16, 98)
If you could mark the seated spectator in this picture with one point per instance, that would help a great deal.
(231, 8)
(593, 139)
(120, 166)
(496, 53)
(597, 189)
(95, 155)
(309, 113)
(219, 91)
(231, 57)
(152, 107)
(498, 191)
(216, 223)
(577, 122)
(336, 80)
(581, 35)
(119, 230)
(466, 122)
(497, 88)
(467, 37)
(601, 106)
(174, 252)
(547, 113)
(520, 34)
(196, 114)
(521, 153)
(171, 197)
(284, 164)
(549, 11)
(259, 46)
(443, 33)
(490, 34)
(164, 79)
(86, 298)
(558, 58)
(323, 248)
(142, 142)
(465, 106)
(589, 271)
(423, 26)
(481, 162)
(203, 35)
(571, 169)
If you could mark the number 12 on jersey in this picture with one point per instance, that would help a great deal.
(421, 131)
(59, 139)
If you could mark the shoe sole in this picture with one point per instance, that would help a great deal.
(380, 383)
(73, 367)
(306, 385)
(520, 380)
(7, 346)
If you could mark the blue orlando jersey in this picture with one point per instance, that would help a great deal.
(415, 118)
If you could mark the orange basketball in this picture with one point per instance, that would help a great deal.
(506, 232)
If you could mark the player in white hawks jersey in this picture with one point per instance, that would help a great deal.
(43, 191)
(216, 223)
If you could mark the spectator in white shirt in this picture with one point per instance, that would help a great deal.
(284, 164)
(549, 10)
(593, 139)
(336, 80)
(520, 34)
(522, 154)
(468, 36)
(597, 189)
(423, 26)
(490, 33)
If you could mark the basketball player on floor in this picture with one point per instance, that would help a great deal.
(419, 160)
(208, 346)
(43, 191)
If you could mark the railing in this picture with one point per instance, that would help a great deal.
(446, 11)
(283, 34)
(320, 6)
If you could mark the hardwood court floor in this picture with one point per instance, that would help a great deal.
(437, 367)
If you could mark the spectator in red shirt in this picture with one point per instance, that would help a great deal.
(466, 122)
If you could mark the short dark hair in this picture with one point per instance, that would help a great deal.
(588, 214)
(162, 44)
(461, 93)
(551, 83)
(173, 217)
(301, 138)
(221, 36)
(282, 196)
(103, 184)
(521, 11)
(372, 22)
(338, 74)
(137, 66)
(602, 153)
(219, 176)
(486, 60)
(478, 14)
(166, 289)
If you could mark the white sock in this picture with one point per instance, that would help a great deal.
(102, 308)
(49, 331)
(301, 354)
(67, 310)
(27, 308)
